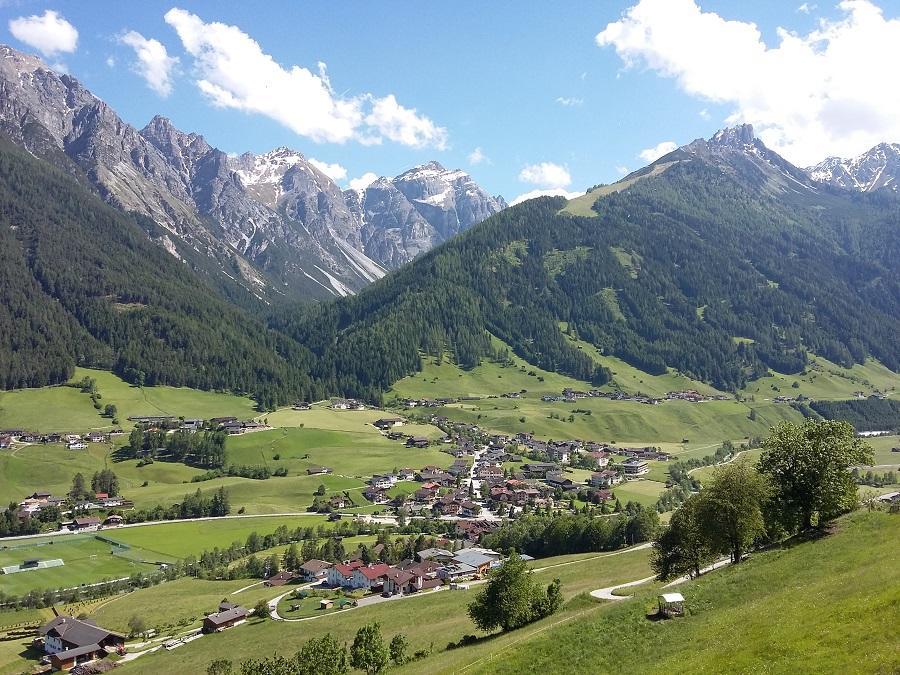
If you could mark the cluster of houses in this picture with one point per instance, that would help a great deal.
(428, 402)
(694, 396)
(347, 404)
(432, 568)
(36, 502)
(229, 424)
(72, 441)
(569, 395)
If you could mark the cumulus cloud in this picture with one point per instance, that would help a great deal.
(556, 192)
(569, 101)
(545, 174)
(334, 171)
(234, 72)
(806, 8)
(828, 92)
(49, 33)
(622, 170)
(404, 125)
(153, 61)
(657, 151)
(363, 181)
(477, 156)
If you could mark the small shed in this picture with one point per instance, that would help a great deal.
(671, 605)
(326, 603)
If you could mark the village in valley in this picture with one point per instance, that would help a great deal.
(426, 518)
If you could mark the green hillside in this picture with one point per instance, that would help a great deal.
(83, 285)
(680, 272)
(827, 605)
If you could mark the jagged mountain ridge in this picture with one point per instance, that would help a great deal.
(873, 170)
(273, 221)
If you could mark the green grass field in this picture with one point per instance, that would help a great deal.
(346, 441)
(350, 453)
(429, 619)
(182, 538)
(824, 379)
(178, 604)
(641, 491)
(783, 611)
(73, 411)
(87, 560)
(882, 445)
(625, 422)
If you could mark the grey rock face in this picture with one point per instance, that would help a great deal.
(873, 170)
(405, 216)
(738, 152)
(274, 218)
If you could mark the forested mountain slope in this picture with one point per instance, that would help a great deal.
(81, 283)
(722, 261)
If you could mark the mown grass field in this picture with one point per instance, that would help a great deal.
(644, 492)
(624, 422)
(883, 445)
(346, 441)
(824, 379)
(87, 560)
(829, 605)
(179, 604)
(63, 408)
(360, 453)
(183, 538)
(432, 619)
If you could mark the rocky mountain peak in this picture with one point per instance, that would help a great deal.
(274, 216)
(735, 137)
(878, 167)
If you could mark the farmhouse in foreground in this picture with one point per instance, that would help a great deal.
(71, 642)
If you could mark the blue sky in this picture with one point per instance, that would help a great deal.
(526, 83)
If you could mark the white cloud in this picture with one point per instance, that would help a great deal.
(477, 156)
(546, 174)
(556, 192)
(622, 170)
(49, 33)
(403, 125)
(806, 8)
(704, 114)
(363, 181)
(111, 61)
(234, 72)
(569, 101)
(334, 171)
(828, 92)
(153, 61)
(657, 151)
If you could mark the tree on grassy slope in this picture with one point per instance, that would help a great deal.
(511, 598)
(808, 465)
(322, 656)
(683, 547)
(368, 651)
(730, 511)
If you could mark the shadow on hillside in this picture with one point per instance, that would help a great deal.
(469, 640)
(808, 536)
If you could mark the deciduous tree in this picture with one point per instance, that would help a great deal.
(808, 465)
(368, 652)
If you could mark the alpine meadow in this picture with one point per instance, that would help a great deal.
(274, 365)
